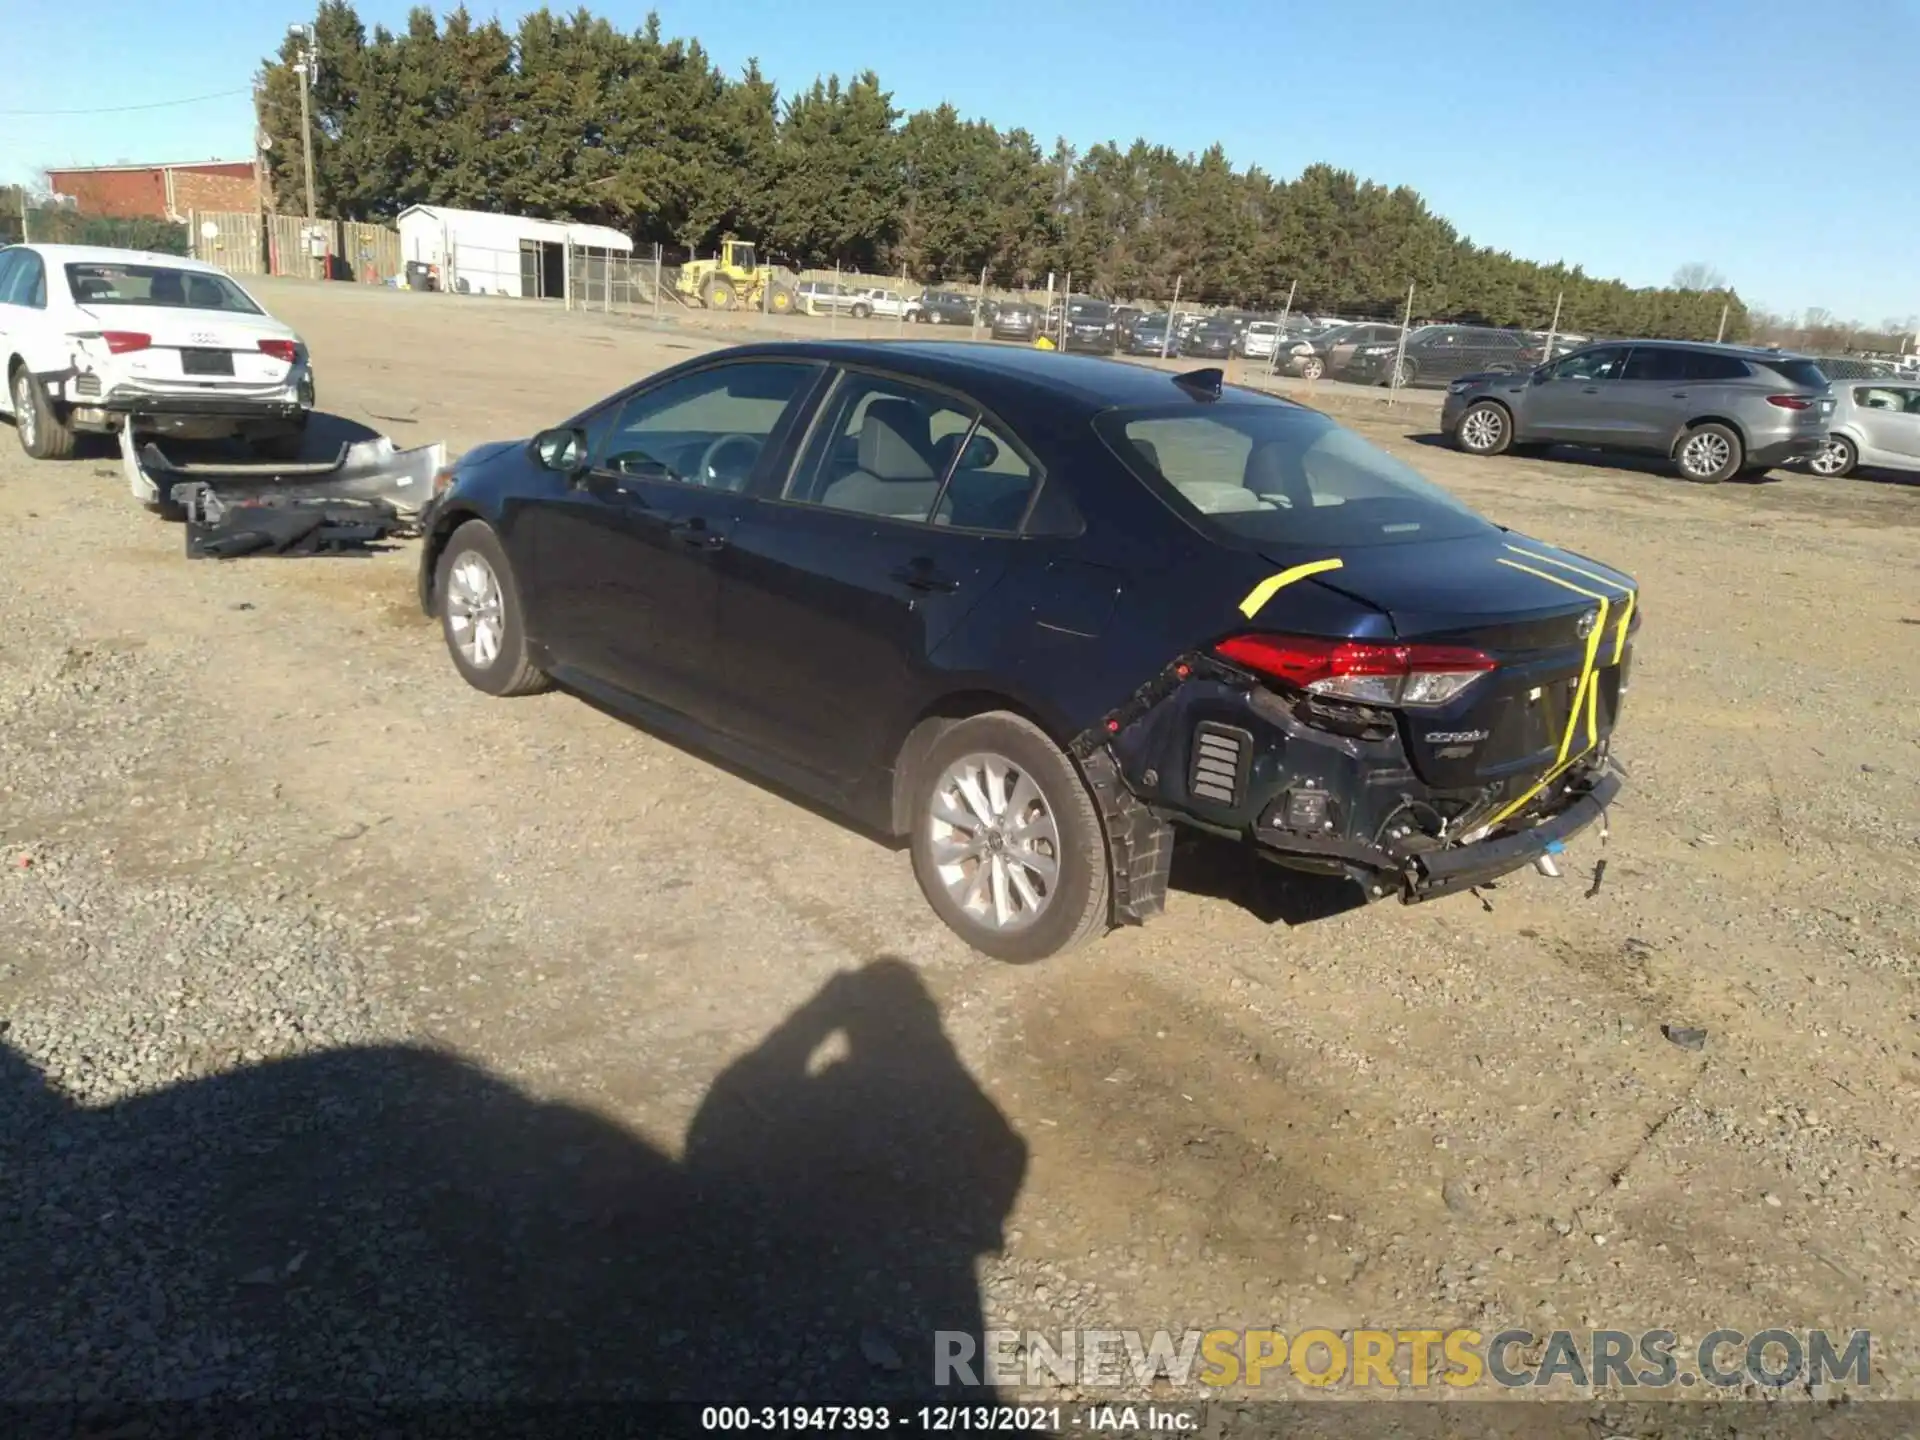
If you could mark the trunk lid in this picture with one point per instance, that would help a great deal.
(1557, 624)
(195, 347)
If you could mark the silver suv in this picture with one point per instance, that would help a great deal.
(1876, 424)
(1716, 411)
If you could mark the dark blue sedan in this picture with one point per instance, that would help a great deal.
(1028, 611)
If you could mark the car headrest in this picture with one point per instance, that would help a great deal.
(1269, 468)
(895, 439)
(1148, 452)
(167, 289)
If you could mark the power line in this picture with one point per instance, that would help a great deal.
(123, 109)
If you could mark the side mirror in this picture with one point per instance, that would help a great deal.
(562, 450)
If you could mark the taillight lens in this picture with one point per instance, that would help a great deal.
(119, 342)
(1790, 402)
(283, 350)
(1371, 674)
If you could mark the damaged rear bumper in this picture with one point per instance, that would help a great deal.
(1202, 747)
(365, 471)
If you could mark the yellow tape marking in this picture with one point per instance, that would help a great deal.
(1586, 694)
(1274, 584)
(1626, 619)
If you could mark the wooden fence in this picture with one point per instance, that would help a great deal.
(242, 243)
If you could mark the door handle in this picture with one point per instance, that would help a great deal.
(1679, 394)
(696, 534)
(922, 576)
(1591, 390)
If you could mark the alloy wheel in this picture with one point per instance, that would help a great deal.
(1483, 428)
(475, 609)
(26, 418)
(1831, 459)
(1705, 454)
(996, 843)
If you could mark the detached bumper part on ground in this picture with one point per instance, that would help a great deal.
(369, 491)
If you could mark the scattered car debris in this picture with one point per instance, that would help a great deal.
(219, 529)
(366, 470)
(1685, 1038)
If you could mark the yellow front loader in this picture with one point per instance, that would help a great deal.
(734, 280)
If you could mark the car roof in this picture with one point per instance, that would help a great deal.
(110, 255)
(1741, 352)
(1003, 376)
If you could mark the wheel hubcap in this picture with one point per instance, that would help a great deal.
(475, 610)
(24, 417)
(1831, 457)
(1705, 454)
(996, 844)
(1482, 429)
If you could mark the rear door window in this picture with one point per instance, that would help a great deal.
(1706, 365)
(1657, 363)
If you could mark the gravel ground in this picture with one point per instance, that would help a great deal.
(361, 1036)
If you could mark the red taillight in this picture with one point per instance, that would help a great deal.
(1359, 670)
(121, 341)
(1790, 402)
(279, 349)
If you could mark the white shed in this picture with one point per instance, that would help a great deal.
(484, 254)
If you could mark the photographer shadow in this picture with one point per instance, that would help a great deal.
(391, 1223)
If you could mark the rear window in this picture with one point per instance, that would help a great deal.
(110, 283)
(1799, 372)
(1273, 474)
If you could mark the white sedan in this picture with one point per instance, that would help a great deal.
(95, 339)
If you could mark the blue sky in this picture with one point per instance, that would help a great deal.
(1770, 139)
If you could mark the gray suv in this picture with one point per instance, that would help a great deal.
(1877, 424)
(1716, 411)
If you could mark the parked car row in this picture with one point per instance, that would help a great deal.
(1716, 412)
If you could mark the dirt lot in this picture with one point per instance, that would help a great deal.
(398, 1041)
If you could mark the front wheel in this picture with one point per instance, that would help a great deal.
(1006, 843)
(1710, 453)
(1835, 459)
(1404, 373)
(480, 614)
(1486, 429)
(1312, 368)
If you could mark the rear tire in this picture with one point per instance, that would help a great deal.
(1710, 453)
(1485, 429)
(480, 614)
(982, 873)
(861, 312)
(1836, 459)
(43, 431)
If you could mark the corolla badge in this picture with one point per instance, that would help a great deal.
(1586, 623)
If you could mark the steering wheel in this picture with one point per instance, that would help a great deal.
(719, 473)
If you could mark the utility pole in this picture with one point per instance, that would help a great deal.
(304, 67)
(1280, 334)
(1166, 335)
(24, 237)
(1400, 351)
(1723, 323)
(1553, 328)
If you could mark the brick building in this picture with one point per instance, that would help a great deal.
(159, 192)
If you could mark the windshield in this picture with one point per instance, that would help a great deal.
(1280, 475)
(111, 283)
(1089, 310)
